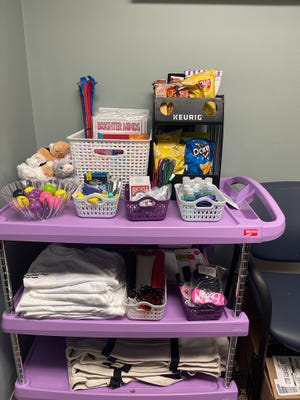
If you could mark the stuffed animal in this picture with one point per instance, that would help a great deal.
(64, 168)
(34, 168)
(41, 164)
(55, 151)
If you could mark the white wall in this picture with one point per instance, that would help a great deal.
(17, 137)
(127, 44)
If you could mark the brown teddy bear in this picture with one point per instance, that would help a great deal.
(55, 151)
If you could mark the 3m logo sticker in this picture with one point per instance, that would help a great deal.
(250, 232)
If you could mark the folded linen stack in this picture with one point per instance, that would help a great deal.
(67, 282)
(114, 362)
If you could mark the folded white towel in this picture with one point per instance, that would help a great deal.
(104, 313)
(90, 287)
(108, 305)
(33, 298)
(66, 282)
(60, 266)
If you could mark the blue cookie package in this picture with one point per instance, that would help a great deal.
(199, 156)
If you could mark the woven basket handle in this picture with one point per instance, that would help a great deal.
(107, 152)
(150, 202)
(197, 203)
(144, 306)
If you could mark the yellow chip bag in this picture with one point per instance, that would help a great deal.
(202, 84)
(172, 151)
(173, 136)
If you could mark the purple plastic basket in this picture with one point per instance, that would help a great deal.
(201, 312)
(145, 209)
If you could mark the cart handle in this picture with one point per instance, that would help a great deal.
(246, 194)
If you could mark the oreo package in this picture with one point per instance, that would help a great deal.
(199, 157)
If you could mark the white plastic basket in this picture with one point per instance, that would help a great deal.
(102, 208)
(194, 211)
(144, 310)
(121, 158)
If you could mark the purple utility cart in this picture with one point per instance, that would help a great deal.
(43, 375)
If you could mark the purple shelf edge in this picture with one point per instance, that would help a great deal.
(235, 226)
(173, 324)
(46, 378)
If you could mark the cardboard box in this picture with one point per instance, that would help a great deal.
(269, 389)
(266, 388)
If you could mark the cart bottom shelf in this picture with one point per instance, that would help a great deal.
(46, 378)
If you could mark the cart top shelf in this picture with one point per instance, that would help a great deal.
(235, 226)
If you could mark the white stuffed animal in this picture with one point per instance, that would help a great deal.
(35, 168)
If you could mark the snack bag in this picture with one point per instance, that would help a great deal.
(199, 156)
(173, 136)
(218, 77)
(176, 90)
(202, 84)
(171, 151)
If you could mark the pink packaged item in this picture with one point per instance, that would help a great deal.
(200, 296)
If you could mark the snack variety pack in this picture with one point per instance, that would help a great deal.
(191, 152)
(192, 155)
(193, 83)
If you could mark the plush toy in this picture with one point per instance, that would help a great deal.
(64, 168)
(41, 164)
(34, 168)
(55, 151)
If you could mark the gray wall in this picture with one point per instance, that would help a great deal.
(17, 137)
(126, 44)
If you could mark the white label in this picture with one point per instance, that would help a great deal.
(207, 270)
(286, 390)
(288, 375)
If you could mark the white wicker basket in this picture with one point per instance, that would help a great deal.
(144, 310)
(121, 158)
(104, 207)
(194, 211)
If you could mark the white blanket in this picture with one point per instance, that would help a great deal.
(59, 266)
(66, 282)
